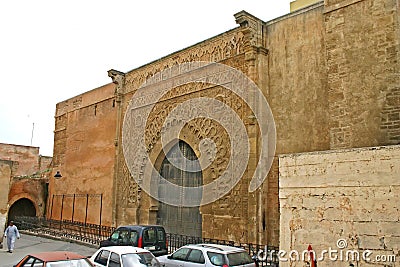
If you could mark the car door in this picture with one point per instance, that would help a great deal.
(101, 259)
(178, 258)
(195, 259)
(149, 238)
(134, 238)
(161, 246)
(114, 260)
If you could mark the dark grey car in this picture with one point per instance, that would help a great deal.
(150, 237)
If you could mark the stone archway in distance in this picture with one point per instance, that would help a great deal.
(21, 207)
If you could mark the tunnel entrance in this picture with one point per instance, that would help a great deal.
(21, 207)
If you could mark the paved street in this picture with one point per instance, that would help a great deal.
(29, 243)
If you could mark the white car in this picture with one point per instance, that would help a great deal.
(124, 256)
(207, 255)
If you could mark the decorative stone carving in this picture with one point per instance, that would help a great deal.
(217, 49)
(118, 79)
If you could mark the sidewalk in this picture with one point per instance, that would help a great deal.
(29, 243)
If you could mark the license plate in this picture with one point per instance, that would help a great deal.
(150, 248)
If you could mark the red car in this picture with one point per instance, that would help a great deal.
(54, 259)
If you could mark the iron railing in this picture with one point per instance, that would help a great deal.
(265, 255)
(93, 234)
(88, 233)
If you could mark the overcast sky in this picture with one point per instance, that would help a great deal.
(53, 50)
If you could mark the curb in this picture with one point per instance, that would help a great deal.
(60, 238)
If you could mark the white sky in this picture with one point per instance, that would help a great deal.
(53, 50)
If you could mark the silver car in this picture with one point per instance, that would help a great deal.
(207, 255)
(124, 256)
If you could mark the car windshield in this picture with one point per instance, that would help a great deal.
(69, 263)
(239, 258)
(139, 259)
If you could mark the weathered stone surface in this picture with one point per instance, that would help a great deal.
(84, 153)
(27, 178)
(26, 156)
(360, 207)
(362, 48)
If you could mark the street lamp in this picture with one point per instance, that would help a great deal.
(58, 175)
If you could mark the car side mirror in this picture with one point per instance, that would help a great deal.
(169, 257)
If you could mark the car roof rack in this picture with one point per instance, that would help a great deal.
(210, 246)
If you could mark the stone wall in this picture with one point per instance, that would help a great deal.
(297, 81)
(27, 179)
(6, 171)
(363, 55)
(352, 195)
(26, 156)
(33, 189)
(84, 153)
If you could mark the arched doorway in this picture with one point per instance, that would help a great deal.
(21, 207)
(180, 220)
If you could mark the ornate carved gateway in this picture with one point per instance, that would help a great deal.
(234, 216)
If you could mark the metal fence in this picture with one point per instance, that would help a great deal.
(266, 255)
(93, 234)
(88, 233)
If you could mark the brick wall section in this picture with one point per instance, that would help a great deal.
(350, 194)
(362, 48)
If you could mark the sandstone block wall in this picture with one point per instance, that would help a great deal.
(297, 81)
(363, 55)
(352, 195)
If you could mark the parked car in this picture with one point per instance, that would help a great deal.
(150, 237)
(55, 259)
(124, 256)
(207, 255)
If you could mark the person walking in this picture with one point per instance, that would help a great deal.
(11, 234)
